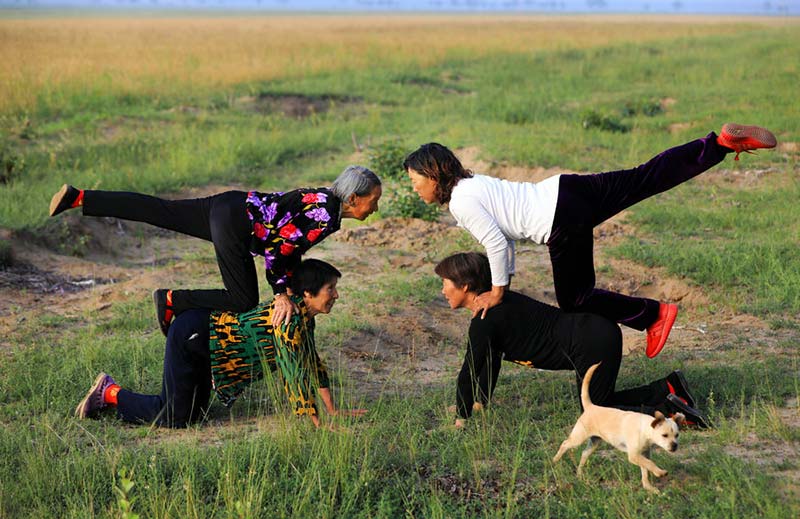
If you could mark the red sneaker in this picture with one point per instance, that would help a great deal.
(658, 332)
(741, 138)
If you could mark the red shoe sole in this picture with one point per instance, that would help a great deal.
(668, 320)
(739, 137)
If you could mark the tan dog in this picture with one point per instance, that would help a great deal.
(628, 431)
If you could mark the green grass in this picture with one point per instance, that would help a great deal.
(744, 241)
(403, 460)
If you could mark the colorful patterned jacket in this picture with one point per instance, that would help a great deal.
(243, 345)
(286, 225)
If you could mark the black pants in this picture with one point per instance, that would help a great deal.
(220, 219)
(596, 339)
(585, 201)
(186, 383)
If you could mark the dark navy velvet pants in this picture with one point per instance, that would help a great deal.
(585, 201)
(186, 383)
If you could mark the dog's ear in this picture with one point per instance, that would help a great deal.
(658, 420)
(679, 418)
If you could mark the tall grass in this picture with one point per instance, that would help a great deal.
(401, 460)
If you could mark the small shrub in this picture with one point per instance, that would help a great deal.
(72, 240)
(402, 201)
(592, 119)
(386, 159)
(646, 107)
(11, 163)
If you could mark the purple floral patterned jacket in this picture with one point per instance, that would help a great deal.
(286, 225)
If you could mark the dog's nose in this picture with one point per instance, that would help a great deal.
(673, 447)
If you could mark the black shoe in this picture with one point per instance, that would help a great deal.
(63, 199)
(694, 418)
(677, 385)
(164, 311)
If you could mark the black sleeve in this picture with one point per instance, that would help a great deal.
(488, 377)
(479, 359)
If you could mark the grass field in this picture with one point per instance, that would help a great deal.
(170, 105)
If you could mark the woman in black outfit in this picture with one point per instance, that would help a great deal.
(528, 332)
(281, 227)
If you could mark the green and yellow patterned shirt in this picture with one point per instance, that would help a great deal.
(243, 344)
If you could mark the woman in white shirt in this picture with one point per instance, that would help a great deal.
(561, 212)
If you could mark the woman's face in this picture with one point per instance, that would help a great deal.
(324, 300)
(363, 206)
(425, 187)
(456, 296)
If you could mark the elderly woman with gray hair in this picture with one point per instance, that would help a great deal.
(281, 227)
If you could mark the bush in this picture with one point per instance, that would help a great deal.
(386, 159)
(646, 107)
(11, 163)
(612, 123)
(402, 201)
(591, 119)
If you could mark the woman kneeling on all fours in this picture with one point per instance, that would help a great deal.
(225, 351)
(562, 210)
(531, 333)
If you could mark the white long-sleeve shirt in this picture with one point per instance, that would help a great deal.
(498, 212)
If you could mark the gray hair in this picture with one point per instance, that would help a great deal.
(355, 180)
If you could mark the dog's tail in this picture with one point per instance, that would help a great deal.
(585, 400)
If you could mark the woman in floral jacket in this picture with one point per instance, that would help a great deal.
(281, 227)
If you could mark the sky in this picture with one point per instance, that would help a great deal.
(735, 7)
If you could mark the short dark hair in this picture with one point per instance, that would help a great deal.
(438, 163)
(312, 275)
(470, 269)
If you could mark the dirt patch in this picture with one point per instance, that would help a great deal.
(737, 178)
(679, 127)
(296, 106)
(28, 278)
(667, 103)
(470, 158)
(778, 458)
(400, 234)
(464, 490)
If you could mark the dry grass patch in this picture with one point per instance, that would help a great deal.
(154, 56)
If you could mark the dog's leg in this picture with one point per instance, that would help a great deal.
(591, 446)
(646, 465)
(575, 438)
(646, 481)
